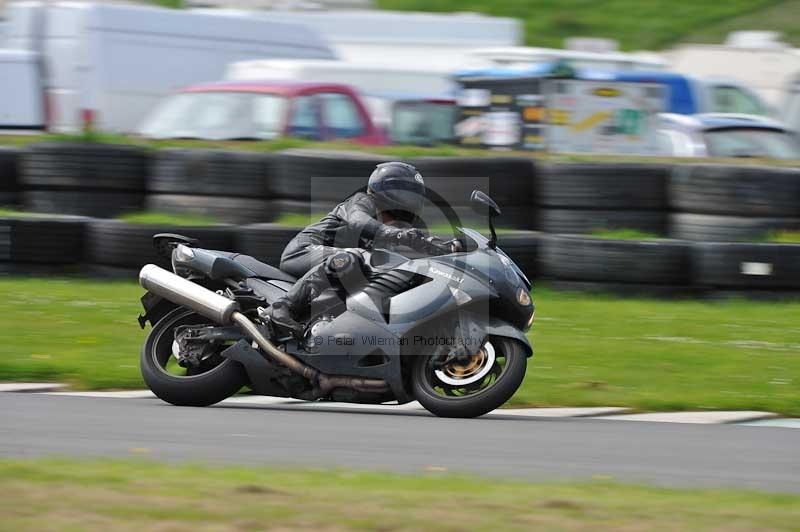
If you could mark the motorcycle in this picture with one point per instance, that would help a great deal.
(447, 330)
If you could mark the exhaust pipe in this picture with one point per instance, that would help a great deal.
(187, 294)
(226, 311)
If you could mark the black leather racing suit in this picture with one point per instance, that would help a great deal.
(352, 224)
(327, 252)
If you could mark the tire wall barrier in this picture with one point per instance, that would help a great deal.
(116, 244)
(229, 186)
(712, 217)
(583, 197)
(83, 178)
(9, 176)
(733, 203)
(28, 245)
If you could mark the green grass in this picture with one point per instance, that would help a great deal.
(624, 234)
(653, 24)
(391, 152)
(135, 495)
(299, 219)
(784, 237)
(81, 332)
(590, 350)
(780, 17)
(160, 218)
(171, 4)
(11, 213)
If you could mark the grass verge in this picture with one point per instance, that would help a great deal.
(294, 219)
(136, 495)
(780, 17)
(784, 237)
(391, 152)
(161, 218)
(625, 234)
(590, 350)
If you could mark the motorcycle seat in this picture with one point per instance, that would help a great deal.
(262, 270)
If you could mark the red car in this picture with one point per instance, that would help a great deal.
(262, 111)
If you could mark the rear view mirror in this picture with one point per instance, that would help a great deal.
(482, 204)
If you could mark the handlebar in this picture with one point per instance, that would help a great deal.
(444, 247)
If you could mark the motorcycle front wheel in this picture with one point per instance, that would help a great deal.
(216, 378)
(471, 386)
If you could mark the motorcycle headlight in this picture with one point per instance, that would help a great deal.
(523, 297)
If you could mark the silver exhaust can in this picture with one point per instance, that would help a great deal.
(187, 294)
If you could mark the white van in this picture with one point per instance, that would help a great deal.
(110, 64)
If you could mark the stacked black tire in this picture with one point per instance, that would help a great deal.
(451, 180)
(720, 203)
(264, 241)
(660, 267)
(731, 211)
(88, 179)
(115, 248)
(228, 186)
(756, 268)
(582, 198)
(41, 243)
(9, 176)
(313, 181)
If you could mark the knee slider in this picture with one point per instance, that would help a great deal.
(342, 265)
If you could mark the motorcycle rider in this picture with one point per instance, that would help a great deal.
(329, 252)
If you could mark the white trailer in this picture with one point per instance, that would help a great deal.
(400, 39)
(21, 94)
(109, 64)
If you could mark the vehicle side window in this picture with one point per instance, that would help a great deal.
(341, 116)
(729, 99)
(268, 115)
(304, 121)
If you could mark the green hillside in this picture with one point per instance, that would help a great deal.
(783, 17)
(636, 24)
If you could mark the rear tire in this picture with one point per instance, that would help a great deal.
(204, 389)
(423, 382)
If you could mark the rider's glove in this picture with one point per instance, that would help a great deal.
(413, 238)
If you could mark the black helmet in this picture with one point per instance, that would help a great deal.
(397, 187)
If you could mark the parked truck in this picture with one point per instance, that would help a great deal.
(557, 107)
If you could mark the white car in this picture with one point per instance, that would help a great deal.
(726, 135)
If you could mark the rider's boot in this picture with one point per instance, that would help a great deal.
(285, 311)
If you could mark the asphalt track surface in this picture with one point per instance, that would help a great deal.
(541, 449)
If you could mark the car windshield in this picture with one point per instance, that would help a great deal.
(217, 116)
(744, 142)
(423, 123)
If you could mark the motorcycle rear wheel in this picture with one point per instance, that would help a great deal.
(471, 388)
(216, 379)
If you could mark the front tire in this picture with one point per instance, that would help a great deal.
(485, 388)
(222, 378)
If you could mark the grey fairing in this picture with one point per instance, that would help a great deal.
(496, 327)
(348, 339)
(436, 297)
